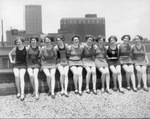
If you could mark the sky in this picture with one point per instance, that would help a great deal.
(121, 16)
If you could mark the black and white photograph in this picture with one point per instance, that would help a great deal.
(74, 59)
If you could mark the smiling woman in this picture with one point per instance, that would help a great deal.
(19, 66)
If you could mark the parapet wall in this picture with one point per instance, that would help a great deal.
(7, 82)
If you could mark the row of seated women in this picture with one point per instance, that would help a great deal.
(75, 57)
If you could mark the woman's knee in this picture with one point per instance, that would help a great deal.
(126, 69)
(113, 70)
(138, 69)
(88, 70)
(106, 71)
(73, 69)
(30, 72)
(93, 70)
(143, 69)
(22, 73)
(61, 74)
(16, 72)
(79, 71)
(46, 72)
(53, 71)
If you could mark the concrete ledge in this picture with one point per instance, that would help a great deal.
(7, 82)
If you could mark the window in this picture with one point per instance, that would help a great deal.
(5, 63)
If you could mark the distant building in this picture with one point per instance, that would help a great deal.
(11, 35)
(33, 19)
(90, 24)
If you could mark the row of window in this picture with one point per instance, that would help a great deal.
(82, 21)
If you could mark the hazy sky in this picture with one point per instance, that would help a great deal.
(121, 16)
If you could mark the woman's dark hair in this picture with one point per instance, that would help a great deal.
(114, 37)
(122, 38)
(62, 37)
(34, 37)
(100, 37)
(22, 40)
(89, 36)
(75, 36)
(140, 37)
(49, 37)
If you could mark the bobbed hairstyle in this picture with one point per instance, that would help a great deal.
(19, 38)
(62, 37)
(140, 37)
(34, 37)
(114, 37)
(122, 38)
(74, 37)
(89, 36)
(100, 37)
(49, 37)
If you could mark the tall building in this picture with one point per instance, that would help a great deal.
(90, 24)
(33, 19)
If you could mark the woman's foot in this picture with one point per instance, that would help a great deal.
(37, 96)
(108, 91)
(80, 93)
(103, 90)
(53, 96)
(138, 87)
(121, 90)
(22, 97)
(88, 91)
(49, 93)
(128, 88)
(115, 89)
(95, 91)
(33, 94)
(135, 89)
(66, 94)
(18, 95)
(62, 93)
(76, 91)
(145, 89)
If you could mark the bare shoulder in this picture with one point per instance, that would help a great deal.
(132, 46)
(55, 47)
(69, 47)
(106, 47)
(95, 46)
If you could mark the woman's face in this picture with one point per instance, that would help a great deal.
(33, 41)
(59, 41)
(18, 42)
(75, 40)
(137, 39)
(126, 39)
(100, 40)
(112, 41)
(47, 40)
(90, 40)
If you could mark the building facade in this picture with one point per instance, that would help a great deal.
(33, 19)
(90, 24)
(11, 35)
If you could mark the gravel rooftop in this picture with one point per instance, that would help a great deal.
(128, 105)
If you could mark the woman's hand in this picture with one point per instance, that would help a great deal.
(12, 62)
